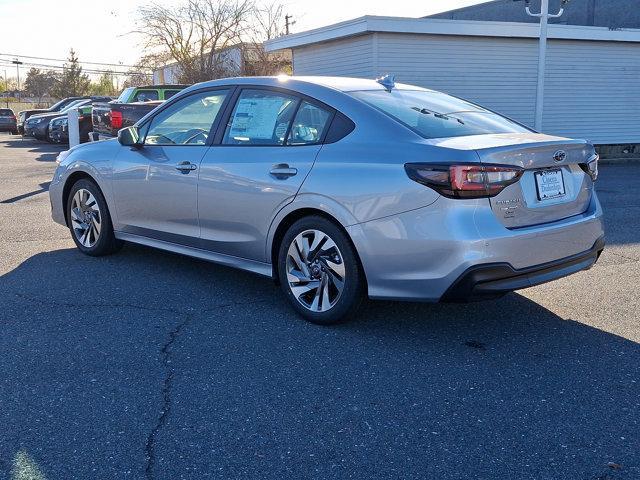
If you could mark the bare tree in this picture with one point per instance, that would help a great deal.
(267, 23)
(194, 33)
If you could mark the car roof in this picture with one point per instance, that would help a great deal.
(161, 87)
(344, 84)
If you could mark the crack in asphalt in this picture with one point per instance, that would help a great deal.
(166, 353)
(150, 446)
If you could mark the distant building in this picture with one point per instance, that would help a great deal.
(237, 60)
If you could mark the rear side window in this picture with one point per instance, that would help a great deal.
(309, 125)
(437, 115)
(5, 112)
(169, 93)
(145, 96)
(260, 117)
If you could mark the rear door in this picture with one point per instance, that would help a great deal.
(266, 150)
(554, 185)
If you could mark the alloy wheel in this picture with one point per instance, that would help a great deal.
(315, 270)
(86, 219)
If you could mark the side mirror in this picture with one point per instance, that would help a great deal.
(129, 137)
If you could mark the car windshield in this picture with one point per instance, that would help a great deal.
(58, 105)
(438, 115)
(5, 112)
(126, 93)
(74, 104)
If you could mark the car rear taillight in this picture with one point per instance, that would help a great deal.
(464, 181)
(591, 167)
(116, 119)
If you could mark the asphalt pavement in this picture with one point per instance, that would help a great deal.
(149, 365)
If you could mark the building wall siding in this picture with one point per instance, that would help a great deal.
(499, 73)
(351, 57)
(592, 88)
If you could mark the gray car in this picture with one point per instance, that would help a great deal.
(340, 188)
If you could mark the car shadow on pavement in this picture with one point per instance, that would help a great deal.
(46, 152)
(99, 352)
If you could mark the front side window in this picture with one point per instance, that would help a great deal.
(188, 121)
(309, 125)
(438, 115)
(260, 117)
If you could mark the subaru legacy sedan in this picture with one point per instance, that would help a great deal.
(339, 189)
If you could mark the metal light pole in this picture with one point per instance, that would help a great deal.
(17, 64)
(544, 17)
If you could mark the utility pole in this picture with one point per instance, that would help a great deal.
(544, 17)
(288, 23)
(17, 64)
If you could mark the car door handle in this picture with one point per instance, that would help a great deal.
(186, 167)
(282, 171)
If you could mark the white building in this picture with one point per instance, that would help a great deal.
(592, 86)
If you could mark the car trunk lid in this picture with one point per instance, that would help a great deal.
(553, 186)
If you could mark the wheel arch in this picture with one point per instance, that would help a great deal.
(69, 183)
(293, 216)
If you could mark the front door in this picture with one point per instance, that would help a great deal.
(269, 145)
(155, 186)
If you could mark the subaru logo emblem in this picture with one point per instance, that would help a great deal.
(560, 155)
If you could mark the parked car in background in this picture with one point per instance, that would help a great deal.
(38, 125)
(338, 188)
(132, 104)
(59, 127)
(8, 121)
(56, 107)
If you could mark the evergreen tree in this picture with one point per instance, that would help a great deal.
(72, 82)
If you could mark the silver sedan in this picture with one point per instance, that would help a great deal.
(339, 189)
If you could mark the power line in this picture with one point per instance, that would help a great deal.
(59, 67)
(65, 60)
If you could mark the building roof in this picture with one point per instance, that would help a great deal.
(436, 26)
(595, 13)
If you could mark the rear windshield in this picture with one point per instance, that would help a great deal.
(438, 115)
(145, 96)
(5, 112)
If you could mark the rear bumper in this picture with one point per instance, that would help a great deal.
(488, 281)
(419, 255)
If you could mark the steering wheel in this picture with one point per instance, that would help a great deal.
(193, 134)
(162, 140)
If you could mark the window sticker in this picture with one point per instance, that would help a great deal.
(255, 118)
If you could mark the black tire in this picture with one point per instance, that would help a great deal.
(106, 243)
(352, 294)
(14, 132)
